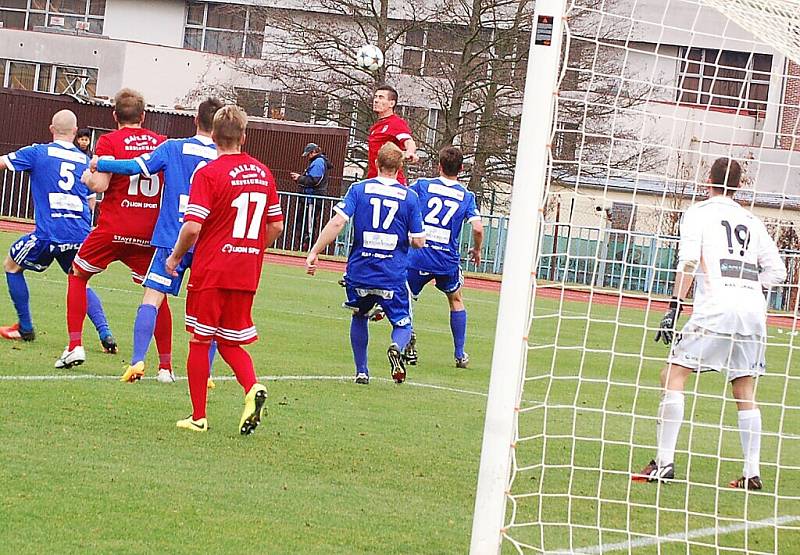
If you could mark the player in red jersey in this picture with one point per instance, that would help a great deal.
(232, 217)
(129, 212)
(389, 127)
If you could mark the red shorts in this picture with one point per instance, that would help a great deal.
(221, 314)
(101, 249)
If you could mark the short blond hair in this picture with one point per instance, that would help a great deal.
(390, 158)
(230, 123)
(129, 106)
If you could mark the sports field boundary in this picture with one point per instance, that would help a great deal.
(290, 378)
(680, 536)
(547, 290)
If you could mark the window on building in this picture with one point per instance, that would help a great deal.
(51, 78)
(436, 49)
(344, 117)
(252, 101)
(566, 140)
(433, 50)
(724, 78)
(298, 107)
(84, 15)
(227, 29)
(510, 61)
(294, 106)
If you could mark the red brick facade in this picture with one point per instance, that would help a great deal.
(790, 118)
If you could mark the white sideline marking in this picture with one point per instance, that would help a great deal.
(69, 377)
(681, 536)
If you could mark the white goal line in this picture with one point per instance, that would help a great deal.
(680, 536)
(74, 377)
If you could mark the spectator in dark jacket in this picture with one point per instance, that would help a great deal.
(313, 183)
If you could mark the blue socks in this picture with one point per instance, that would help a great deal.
(401, 336)
(94, 310)
(212, 352)
(359, 339)
(18, 290)
(143, 328)
(458, 325)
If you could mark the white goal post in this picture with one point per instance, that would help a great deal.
(626, 104)
(518, 285)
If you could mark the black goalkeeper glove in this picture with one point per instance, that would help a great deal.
(666, 329)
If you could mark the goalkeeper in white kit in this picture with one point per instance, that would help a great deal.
(727, 253)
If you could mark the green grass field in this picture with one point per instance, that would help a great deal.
(93, 465)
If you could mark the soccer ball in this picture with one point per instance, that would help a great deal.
(369, 57)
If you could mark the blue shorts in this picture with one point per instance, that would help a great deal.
(446, 283)
(393, 301)
(159, 279)
(36, 254)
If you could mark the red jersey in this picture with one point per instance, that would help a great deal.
(233, 197)
(391, 128)
(130, 204)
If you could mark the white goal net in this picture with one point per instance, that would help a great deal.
(644, 96)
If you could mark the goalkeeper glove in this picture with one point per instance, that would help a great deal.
(666, 329)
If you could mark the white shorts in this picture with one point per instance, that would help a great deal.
(703, 350)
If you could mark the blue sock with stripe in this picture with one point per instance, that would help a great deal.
(458, 325)
(359, 340)
(212, 352)
(401, 336)
(143, 328)
(18, 290)
(94, 310)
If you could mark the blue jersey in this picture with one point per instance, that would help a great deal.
(179, 159)
(384, 214)
(60, 200)
(447, 204)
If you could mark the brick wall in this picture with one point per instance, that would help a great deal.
(790, 120)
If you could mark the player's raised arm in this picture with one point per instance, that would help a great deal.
(122, 167)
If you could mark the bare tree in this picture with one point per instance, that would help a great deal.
(471, 72)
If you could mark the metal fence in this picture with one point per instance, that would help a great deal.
(305, 216)
(631, 261)
(578, 255)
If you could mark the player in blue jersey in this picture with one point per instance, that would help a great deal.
(446, 205)
(386, 221)
(179, 159)
(62, 212)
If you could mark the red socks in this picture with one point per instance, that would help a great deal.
(163, 336)
(240, 362)
(197, 369)
(76, 308)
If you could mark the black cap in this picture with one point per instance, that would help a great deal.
(310, 147)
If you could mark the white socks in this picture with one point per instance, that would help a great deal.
(668, 424)
(750, 436)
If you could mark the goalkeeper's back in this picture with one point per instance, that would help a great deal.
(733, 255)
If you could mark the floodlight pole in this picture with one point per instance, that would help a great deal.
(518, 285)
